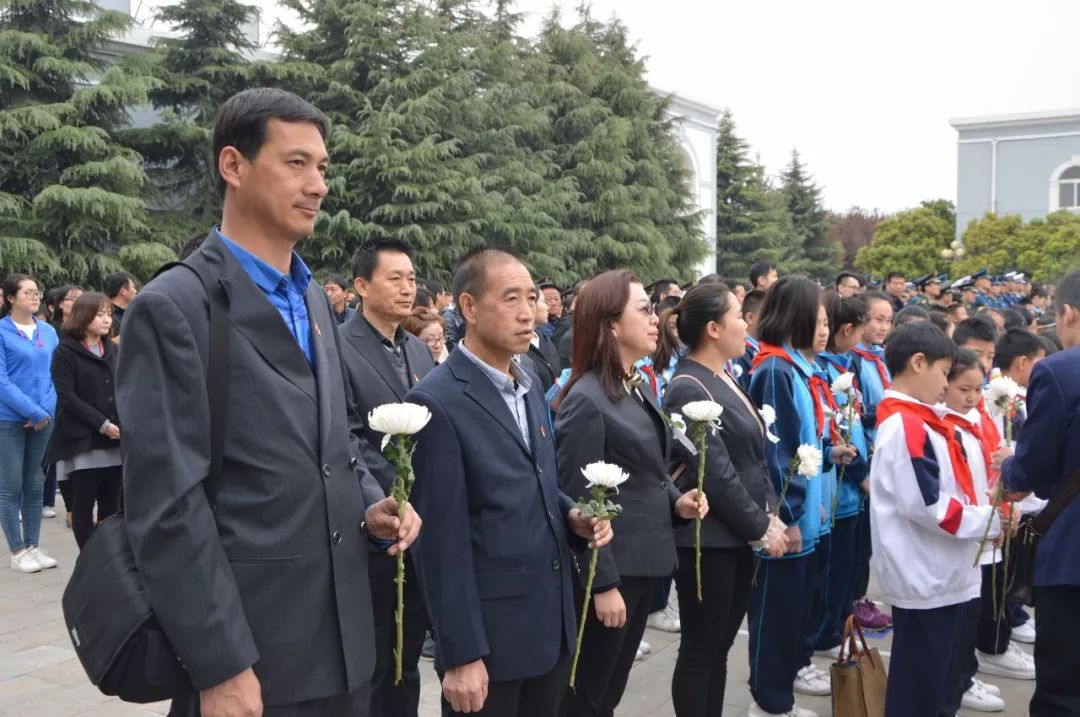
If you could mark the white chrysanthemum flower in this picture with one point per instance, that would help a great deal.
(604, 474)
(1001, 392)
(398, 419)
(768, 417)
(809, 461)
(844, 384)
(703, 411)
(677, 422)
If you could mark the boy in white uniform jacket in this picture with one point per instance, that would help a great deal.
(926, 525)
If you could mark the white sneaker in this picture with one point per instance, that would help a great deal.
(639, 655)
(1012, 663)
(48, 512)
(987, 687)
(1025, 633)
(43, 559)
(666, 620)
(809, 682)
(979, 700)
(645, 648)
(833, 653)
(796, 711)
(24, 562)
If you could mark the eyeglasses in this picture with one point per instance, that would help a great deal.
(648, 309)
(434, 340)
(31, 293)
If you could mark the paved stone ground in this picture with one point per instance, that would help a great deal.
(40, 677)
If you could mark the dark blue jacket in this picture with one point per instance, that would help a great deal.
(1047, 452)
(493, 556)
(850, 496)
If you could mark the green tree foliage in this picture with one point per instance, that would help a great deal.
(71, 204)
(752, 220)
(910, 242)
(810, 248)
(196, 72)
(1046, 249)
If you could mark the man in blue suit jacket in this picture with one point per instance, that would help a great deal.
(494, 565)
(1047, 452)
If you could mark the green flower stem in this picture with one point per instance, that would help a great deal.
(697, 521)
(400, 453)
(598, 507)
(584, 615)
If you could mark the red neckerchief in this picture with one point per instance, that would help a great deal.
(963, 424)
(876, 360)
(925, 414)
(819, 390)
(991, 434)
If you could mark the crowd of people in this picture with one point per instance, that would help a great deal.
(276, 588)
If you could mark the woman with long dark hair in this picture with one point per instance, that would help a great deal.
(27, 406)
(609, 405)
(737, 482)
(85, 444)
(58, 303)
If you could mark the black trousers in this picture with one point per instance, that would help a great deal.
(354, 704)
(709, 627)
(608, 654)
(994, 630)
(931, 651)
(837, 594)
(67, 494)
(777, 618)
(863, 550)
(388, 699)
(534, 697)
(1057, 633)
(96, 486)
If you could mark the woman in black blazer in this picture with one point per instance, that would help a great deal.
(737, 483)
(85, 444)
(607, 413)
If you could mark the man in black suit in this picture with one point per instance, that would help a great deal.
(495, 563)
(383, 361)
(263, 589)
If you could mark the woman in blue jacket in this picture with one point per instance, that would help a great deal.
(847, 318)
(792, 330)
(27, 408)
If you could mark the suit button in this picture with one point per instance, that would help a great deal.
(554, 564)
(326, 471)
(335, 537)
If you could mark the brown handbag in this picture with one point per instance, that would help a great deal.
(858, 676)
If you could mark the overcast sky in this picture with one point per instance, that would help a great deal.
(864, 90)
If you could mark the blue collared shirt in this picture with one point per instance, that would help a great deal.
(511, 390)
(285, 291)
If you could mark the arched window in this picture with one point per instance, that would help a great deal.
(1065, 186)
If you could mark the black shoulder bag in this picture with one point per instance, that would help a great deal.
(109, 619)
(1022, 581)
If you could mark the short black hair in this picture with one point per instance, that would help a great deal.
(910, 313)
(875, 295)
(471, 275)
(366, 258)
(1068, 292)
(977, 328)
(849, 274)
(843, 311)
(940, 320)
(790, 313)
(1015, 343)
(917, 337)
(1016, 317)
(434, 286)
(424, 299)
(751, 303)
(337, 279)
(242, 119)
(759, 269)
(965, 360)
(1049, 344)
(955, 308)
(117, 282)
(894, 275)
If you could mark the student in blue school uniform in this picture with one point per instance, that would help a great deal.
(793, 328)
(847, 318)
(926, 526)
(868, 363)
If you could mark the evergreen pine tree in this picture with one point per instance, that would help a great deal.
(751, 216)
(809, 222)
(197, 71)
(70, 206)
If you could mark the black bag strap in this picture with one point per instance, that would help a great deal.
(1058, 503)
(217, 375)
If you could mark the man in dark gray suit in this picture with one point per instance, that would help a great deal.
(383, 361)
(262, 590)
